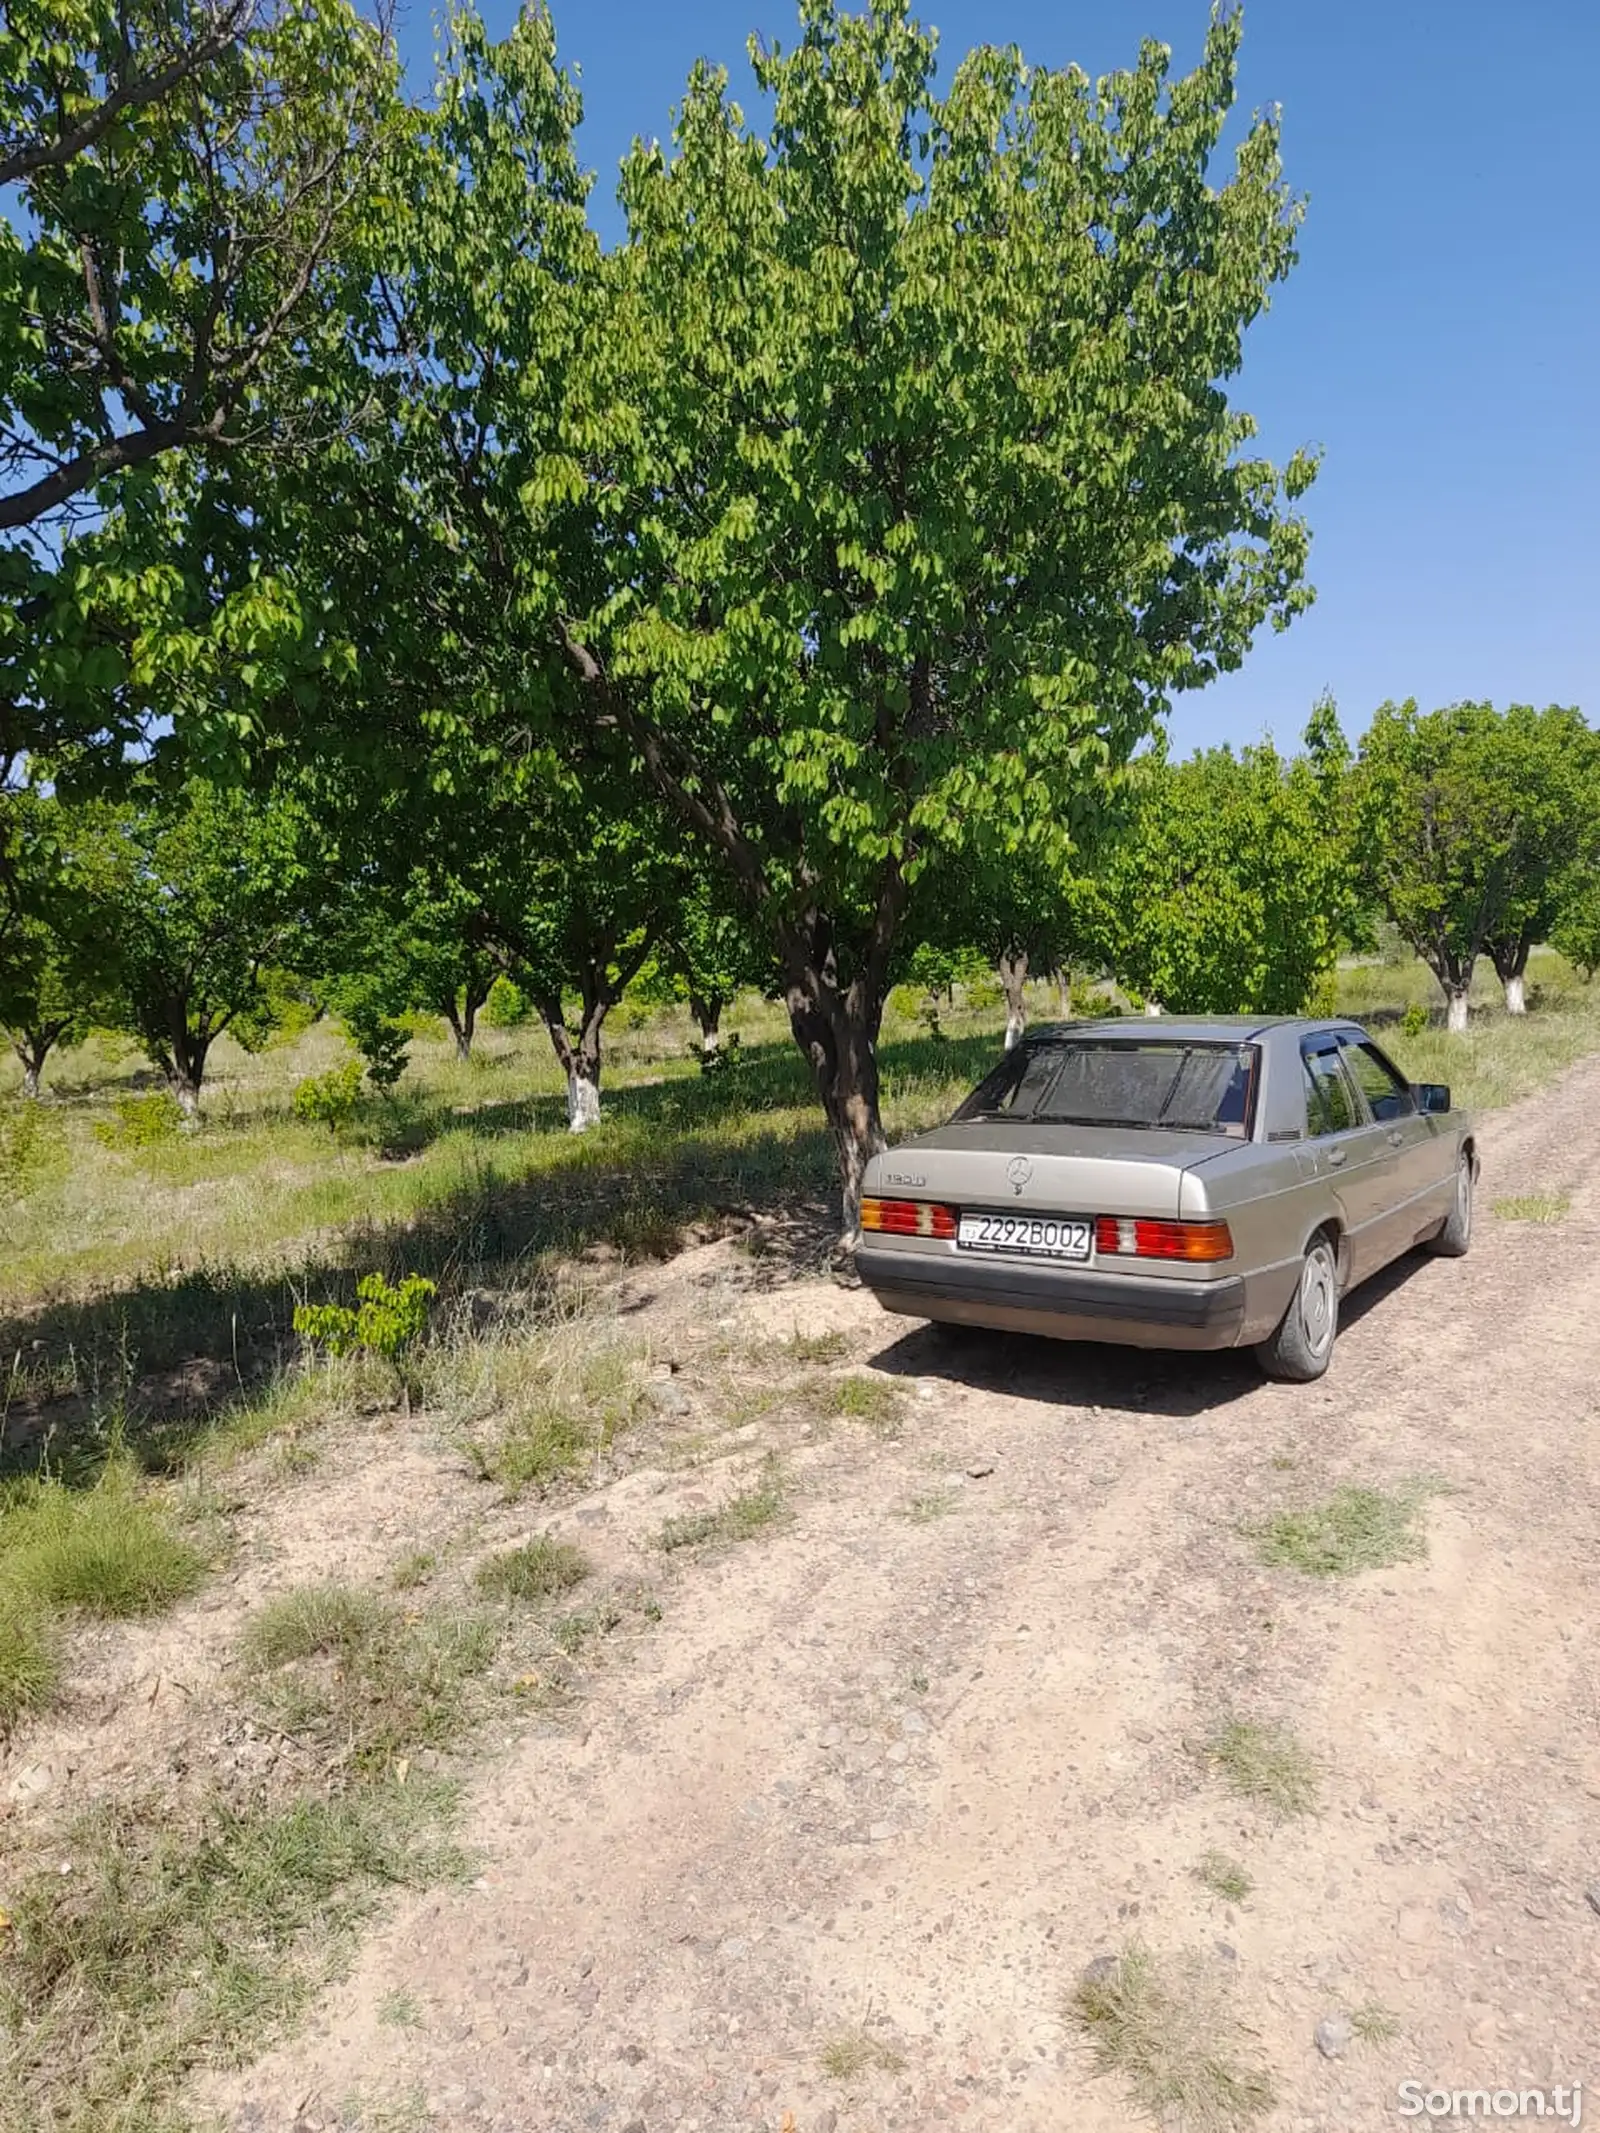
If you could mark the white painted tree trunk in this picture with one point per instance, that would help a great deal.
(1456, 1013)
(30, 1079)
(583, 1102)
(188, 1094)
(1516, 994)
(1016, 1023)
(1152, 1007)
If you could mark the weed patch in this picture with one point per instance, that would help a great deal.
(862, 1399)
(1542, 1207)
(740, 1518)
(538, 1570)
(1224, 1877)
(366, 1682)
(1266, 1764)
(30, 1663)
(854, 2052)
(1169, 2034)
(1356, 1529)
(107, 1550)
(177, 1940)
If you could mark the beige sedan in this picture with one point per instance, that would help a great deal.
(1215, 1183)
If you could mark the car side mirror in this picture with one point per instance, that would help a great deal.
(1431, 1095)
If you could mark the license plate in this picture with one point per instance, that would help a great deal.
(1042, 1236)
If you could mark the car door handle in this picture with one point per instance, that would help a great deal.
(1335, 1157)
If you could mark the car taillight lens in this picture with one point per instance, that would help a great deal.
(1120, 1237)
(908, 1218)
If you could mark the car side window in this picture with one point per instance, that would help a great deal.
(1330, 1107)
(1388, 1097)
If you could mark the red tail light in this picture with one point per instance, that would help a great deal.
(1123, 1237)
(908, 1218)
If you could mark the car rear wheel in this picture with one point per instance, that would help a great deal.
(1452, 1240)
(1300, 1348)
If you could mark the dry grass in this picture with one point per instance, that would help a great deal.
(1264, 1764)
(1168, 2032)
(854, 2052)
(30, 1658)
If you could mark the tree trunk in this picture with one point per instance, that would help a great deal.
(185, 1086)
(1152, 1007)
(1063, 980)
(1455, 1019)
(33, 1047)
(1510, 959)
(707, 1012)
(462, 1020)
(30, 1077)
(1014, 984)
(580, 1061)
(838, 1034)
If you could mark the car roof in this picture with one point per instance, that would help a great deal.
(1192, 1029)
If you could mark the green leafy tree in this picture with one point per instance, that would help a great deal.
(1233, 888)
(929, 496)
(1551, 760)
(198, 893)
(1466, 815)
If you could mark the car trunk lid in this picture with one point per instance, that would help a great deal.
(1087, 1170)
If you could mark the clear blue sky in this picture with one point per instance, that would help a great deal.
(1440, 338)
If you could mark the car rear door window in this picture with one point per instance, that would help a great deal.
(1388, 1097)
(1330, 1102)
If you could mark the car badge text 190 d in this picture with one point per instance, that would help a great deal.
(904, 1177)
(1019, 1170)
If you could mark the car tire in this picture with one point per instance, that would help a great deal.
(1301, 1347)
(1452, 1239)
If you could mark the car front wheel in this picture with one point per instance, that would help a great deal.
(1303, 1343)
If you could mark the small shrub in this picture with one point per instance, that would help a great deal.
(1323, 998)
(315, 1620)
(537, 1570)
(141, 1121)
(329, 1099)
(388, 1321)
(1414, 1022)
(1264, 1763)
(32, 1146)
(507, 1006)
(1374, 2023)
(29, 1662)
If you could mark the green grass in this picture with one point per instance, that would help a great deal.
(1531, 1207)
(1224, 1877)
(1264, 1764)
(741, 1518)
(538, 1570)
(106, 1550)
(185, 1935)
(1355, 1529)
(1167, 2032)
(862, 1399)
(816, 1347)
(350, 1674)
(930, 1505)
(30, 1658)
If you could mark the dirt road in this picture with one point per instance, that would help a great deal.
(887, 1776)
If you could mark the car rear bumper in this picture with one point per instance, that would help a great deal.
(1063, 1302)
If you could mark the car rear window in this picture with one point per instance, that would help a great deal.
(1189, 1088)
